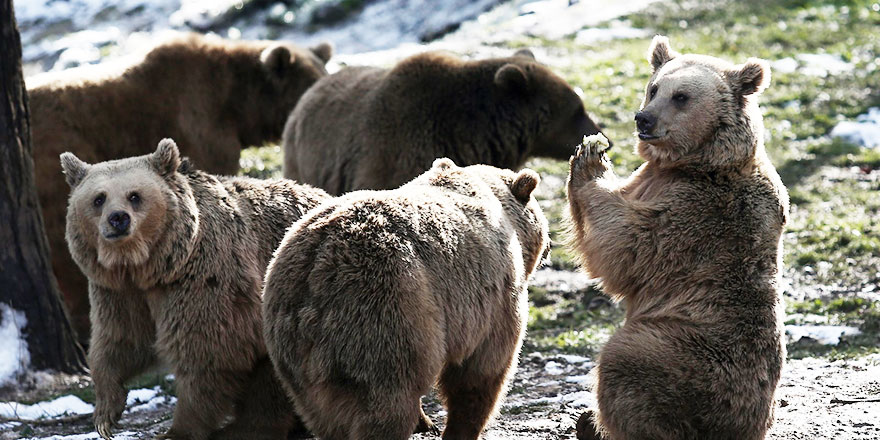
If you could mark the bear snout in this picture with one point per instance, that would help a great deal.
(645, 122)
(119, 221)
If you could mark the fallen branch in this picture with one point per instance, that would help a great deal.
(47, 422)
(849, 401)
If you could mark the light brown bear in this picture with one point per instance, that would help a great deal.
(691, 243)
(175, 259)
(374, 296)
(213, 96)
(373, 128)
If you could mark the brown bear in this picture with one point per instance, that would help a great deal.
(691, 243)
(373, 128)
(213, 96)
(175, 259)
(374, 296)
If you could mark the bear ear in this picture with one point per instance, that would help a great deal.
(512, 77)
(323, 51)
(276, 60)
(443, 163)
(525, 182)
(166, 159)
(525, 53)
(74, 169)
(660, 53)
(751, 77)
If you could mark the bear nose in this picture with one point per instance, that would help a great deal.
(119, 220)
(645, 121)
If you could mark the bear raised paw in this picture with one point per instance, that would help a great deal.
(175, 259)
(375, 296)
(691, 243)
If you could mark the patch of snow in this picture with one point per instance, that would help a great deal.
(582, 379)
(864, 131)
(573, 359)
(127, 435)
(554, 368)
(784, 65)
(617, 30)
(146, 399)
(812, 64)
(14, 354)
(575, 399)
(64, 405)
(824, 334)
(548, 18)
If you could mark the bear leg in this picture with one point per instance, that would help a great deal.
(263, 411)
(203, 401)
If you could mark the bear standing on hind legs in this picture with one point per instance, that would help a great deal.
(376, 295)
(175, 259)
(691, 243)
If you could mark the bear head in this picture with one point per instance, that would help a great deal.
(561, 118)
(699, 110)
(286, 72)
(515, 192)
(134, 217)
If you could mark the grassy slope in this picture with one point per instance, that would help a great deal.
(833, 238)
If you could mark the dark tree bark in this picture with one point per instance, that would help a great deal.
(26, 280)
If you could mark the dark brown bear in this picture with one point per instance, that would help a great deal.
(175, 260)
(376, 295)
(372, 128)
(213, 96)
(691, 243)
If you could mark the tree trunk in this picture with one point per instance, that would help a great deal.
(26, 280)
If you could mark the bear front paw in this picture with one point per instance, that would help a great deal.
(589, 160)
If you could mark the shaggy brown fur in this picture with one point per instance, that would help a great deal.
(374, 296)
(691, 244)
(214, 96)
(178, 279)
(371, 128)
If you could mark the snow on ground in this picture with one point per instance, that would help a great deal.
(147, 399)
(64, 405)
(812, 64)
(864, 131)
(823, 334)
(14, 355)
(127, 435)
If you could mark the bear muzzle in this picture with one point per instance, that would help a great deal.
(645, 123)
(119, 222)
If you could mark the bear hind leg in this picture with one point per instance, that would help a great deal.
(471, 397)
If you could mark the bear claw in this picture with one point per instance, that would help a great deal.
(589, 158)
(104, 430)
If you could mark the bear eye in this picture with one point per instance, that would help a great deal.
(680, 98)
(134, 198)
(653, 91)
(99, 200)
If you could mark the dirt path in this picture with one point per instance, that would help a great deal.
(817, 399)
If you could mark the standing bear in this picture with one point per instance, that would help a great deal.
(175, 259)
(691, 243)
(372, 128)
(213, 96)
(376, 295)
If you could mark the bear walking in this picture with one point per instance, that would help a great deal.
(375, 295)
(372, 128)
(691, 243)
(213, 96)
(175, 259)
